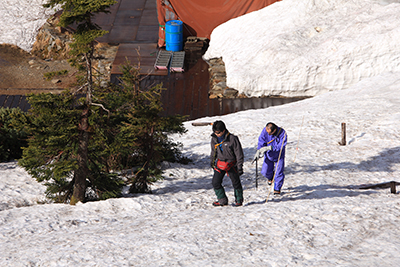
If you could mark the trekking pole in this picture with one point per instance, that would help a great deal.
(256, 174)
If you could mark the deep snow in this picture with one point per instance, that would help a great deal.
(304, 48)
(20, 21)
(322, 218)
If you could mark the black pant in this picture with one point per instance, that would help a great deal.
(219, 176)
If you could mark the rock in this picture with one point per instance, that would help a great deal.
(219, 86)
(55, 81)
(217, 69)
(52, 41)
(218, 77)
(230, 93)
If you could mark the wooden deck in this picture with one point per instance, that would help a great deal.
(134, 26)
(130, 21)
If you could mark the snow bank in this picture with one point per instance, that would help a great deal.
(304, 48)
(18, 189)
(20, 21)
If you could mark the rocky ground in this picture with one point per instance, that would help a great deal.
(22, 70)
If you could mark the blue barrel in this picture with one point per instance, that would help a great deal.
(174, 35)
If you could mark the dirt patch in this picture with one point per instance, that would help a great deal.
(21, 70)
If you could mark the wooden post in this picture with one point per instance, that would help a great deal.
(343, 142)
(393, 187)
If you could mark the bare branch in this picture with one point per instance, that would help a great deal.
(101, 105)
(80, 88)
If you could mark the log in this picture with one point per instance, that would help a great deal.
(201, 123)
(391, 184)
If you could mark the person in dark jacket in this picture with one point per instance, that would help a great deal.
(226, 157)
(272, 145)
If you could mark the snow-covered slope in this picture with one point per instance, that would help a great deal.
(304, 47)
(20, 21)
(322, 218)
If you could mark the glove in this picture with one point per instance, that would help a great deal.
(240, 172)
(263, 150)
(260, 153)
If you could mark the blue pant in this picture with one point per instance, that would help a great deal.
(268, 168)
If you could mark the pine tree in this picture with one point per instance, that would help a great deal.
(142, 139)
(52, 154)
(76, 146)
(80, 13)
(11, 139)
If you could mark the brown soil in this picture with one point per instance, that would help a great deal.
(21, 72)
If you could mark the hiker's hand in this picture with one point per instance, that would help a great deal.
(256, 156)
(264, 149)
(240, 172)
(260, 153)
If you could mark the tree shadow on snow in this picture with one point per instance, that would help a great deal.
(10, 165)
(200, 162)
(384, 162)
(320, 192)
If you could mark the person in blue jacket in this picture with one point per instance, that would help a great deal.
(271, 145)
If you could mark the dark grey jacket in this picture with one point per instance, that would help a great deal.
(231, 150)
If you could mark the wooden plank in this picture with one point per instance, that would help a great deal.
(132, 4)
(7, 103)
(149, 18)
(15, 101)
(151, 4)
(122, 34)
(128, 17)
(148, 56)
(343, 142)
(24, 104)
(147, 33)
(202, 83)
(2, 100)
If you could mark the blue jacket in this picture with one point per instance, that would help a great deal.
(276, 140)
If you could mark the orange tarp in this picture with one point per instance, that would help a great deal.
(200, 17)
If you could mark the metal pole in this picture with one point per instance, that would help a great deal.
(256, 173)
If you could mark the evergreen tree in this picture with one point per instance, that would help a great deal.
(11, 139)
(142, 139)
(52, 154)
(77, 146)
(80, 13)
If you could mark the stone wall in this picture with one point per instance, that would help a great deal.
(218, 87)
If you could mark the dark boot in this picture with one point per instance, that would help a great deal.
(238, 197)
(221, 202)
(222, 199)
